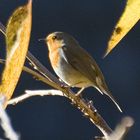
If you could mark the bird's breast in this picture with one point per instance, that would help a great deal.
(54, 58)
(66, 72)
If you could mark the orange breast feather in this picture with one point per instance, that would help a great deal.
(54, 58)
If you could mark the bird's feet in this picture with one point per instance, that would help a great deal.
(79, 93)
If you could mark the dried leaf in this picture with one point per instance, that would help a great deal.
(17, 41)
(129, 18)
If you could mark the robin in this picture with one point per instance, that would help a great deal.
(74, 65)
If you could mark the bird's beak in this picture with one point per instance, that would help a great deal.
(42, 39)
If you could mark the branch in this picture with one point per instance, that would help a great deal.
(31, 93)
(6, 124)
(118, 134)
(34, 73)
(86, 108)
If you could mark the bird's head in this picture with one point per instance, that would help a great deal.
(55, 40)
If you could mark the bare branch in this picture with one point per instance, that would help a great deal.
(35, 74)
(31, 93)
(86, 108)
(6, 124)
(118, 134)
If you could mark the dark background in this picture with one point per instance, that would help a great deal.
(91, 22)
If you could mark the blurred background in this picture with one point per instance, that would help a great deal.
(91, 22)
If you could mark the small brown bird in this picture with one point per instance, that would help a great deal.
(74, 65)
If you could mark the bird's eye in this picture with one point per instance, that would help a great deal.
(54, 37)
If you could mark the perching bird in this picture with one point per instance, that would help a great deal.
(74, 65)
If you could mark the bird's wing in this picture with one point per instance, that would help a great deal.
(81, 61)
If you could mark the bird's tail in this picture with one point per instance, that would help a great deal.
(102, 90)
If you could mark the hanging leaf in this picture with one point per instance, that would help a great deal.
(129, 18)
(17, 40)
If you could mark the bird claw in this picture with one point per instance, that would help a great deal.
(99, 138)
(63, 85)
(79, 93)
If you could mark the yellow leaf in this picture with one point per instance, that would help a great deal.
(128, 19)
(17, 41)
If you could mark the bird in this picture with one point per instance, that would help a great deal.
(74, 65)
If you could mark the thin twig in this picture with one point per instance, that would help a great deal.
(41, 69)
(2, 29)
